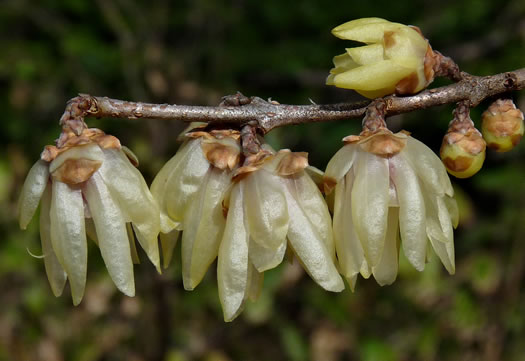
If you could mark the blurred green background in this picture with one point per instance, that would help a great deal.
(194, 52)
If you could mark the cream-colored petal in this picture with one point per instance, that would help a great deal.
(405, 42)
(370, 31)
(160, 186)
(370, 199)
(255, 283)
(264, 258)
(349, 249)
(68, 235)
(34, 186)
(310, 199)
(367, 54)
(168, 241)
(351, 282)
(385, 272)
(204, 226)
(309, 247)
(184, 180)
(265, 211)
(340, 163)
(383, 74)
(453, 210)
(55, 273)
(439, 230)
(411, 211)
(112, 234)
(233, 262)
(342, 63)
(445, 252)
(131, 193)
(428, 166)
(90, 229)
(132, 245)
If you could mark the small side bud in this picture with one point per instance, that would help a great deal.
(463, 147)
(502, 125)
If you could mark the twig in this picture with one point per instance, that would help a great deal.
(238, 110)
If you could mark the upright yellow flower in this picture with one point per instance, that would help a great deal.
(396, 59)
(389, 189)
(88, 185)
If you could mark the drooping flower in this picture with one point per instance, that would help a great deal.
(397, 59)
(390, 189)
(273, 205)
(88, 185)
(190, 189)
(502, 125)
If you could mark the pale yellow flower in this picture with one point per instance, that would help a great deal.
(396, 59)
(390, 189)
(274, 205)
(89, 186)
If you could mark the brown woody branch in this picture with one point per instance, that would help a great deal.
(238, 110)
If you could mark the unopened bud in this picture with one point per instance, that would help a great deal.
(463, 153)
(502, 125)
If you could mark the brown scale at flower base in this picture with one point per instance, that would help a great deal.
(87, 185)
(390, 190)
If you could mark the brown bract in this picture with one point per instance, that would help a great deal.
(252, 163)
(69, 139)
(502, 118)
(471, 141)
(381, 142)
(75, 171)
(292, 163)
(221, 156)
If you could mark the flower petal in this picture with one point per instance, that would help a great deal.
(309, 247)
(112, 234)
(370, 199)
(339, 165)
(55, 273)
(204, 225)
(264, 258)
(411, 211)
(383, 74)
(183, 182)
(266, 214)
(349, 249)
(385, 272)
(233, 262)
(132, 246)
(370, 31)
(168, 241)
(453, 210)
(255, 283)
(34, 186)
(367, 54)
(131, 193)
(428, 166)
(68, 235)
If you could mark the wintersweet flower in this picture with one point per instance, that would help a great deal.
(397, 59)
(273, 206)
(88, 185)
(190, 189)
(390, 189)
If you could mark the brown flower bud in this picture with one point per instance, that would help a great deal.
(502, 125)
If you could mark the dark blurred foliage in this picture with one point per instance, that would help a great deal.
(193, 52)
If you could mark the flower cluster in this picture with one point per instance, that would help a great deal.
(245, 216)
(389, 189)
(89, 186)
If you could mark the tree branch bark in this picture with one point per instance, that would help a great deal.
(238, 110)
